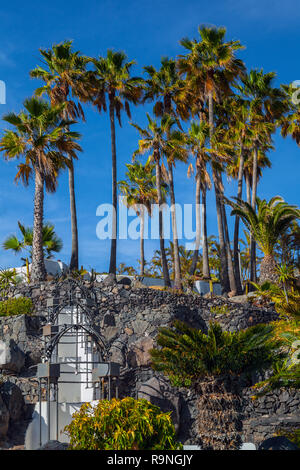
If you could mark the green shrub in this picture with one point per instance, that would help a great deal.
(16, 306)
(126, 424)
(220, 310)
(187, 354)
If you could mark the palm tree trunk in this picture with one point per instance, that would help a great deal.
(113, 248)
(268, 270)
(38, 270)
(198, 225)
(229, 253)
(236, 228)
(142, 219)
(253, 277)
(220, 413)
(217, 186)
(205, 267)
(177, 269)
(74, 227)
(248, 186)
(164, 263)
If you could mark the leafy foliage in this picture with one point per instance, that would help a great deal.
(286, 369)
(16, 306)
(51, 242)
(187, 354)
(126, 424)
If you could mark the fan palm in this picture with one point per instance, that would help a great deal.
(272, 219)
(210, 363)
(139, 190)
(51, 242)
(111, 78)
(41, 139)
(64, 74)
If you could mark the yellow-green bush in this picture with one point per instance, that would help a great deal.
(16, 306)
(126, 424)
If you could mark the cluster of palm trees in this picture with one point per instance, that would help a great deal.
(206, 107)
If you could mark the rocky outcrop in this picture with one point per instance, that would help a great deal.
(4, 419)
(12, 359)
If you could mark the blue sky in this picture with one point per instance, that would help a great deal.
(146, 31)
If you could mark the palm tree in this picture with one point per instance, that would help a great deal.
(41, 139)
(111, 78)
(267, 104)
(64, 75)
(211, 363)
(155, 140)
(139, 190)
(51, 242)
(165, 86)
(214, 62)
(272, 219)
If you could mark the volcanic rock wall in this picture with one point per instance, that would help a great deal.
(129, 318)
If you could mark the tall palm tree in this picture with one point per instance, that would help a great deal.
(197, 136)
(267, 104)
(139, 190)
(162, 142)
(64, 73)
(213, 61)
(267, 225)
(40, 138)
(111, 79)
(165, 86)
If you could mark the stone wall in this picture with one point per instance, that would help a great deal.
(275, 411)
(129, 318)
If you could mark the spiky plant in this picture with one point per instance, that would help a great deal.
(211, 364)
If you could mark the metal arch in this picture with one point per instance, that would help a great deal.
(67, 303)
(89, 329)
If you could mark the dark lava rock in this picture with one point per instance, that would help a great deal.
(278, 443)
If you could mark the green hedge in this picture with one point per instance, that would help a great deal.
(16, 306)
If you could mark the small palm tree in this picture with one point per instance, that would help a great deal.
(41, 139)
(272, 219)
(211, 364)
(51, 243)
(111, 79)
(162, 142)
